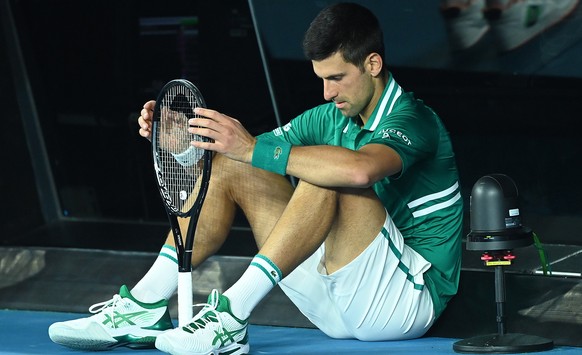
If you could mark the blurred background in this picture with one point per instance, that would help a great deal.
(76, 73)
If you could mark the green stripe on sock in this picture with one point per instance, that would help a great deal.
(265, 271)
(272, 264)
(169, 256)
(168, 246)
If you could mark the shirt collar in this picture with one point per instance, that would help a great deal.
(391, 93)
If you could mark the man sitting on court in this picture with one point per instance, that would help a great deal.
(367, 245)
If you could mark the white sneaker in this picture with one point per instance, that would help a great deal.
(121, 321)
(514, 22)
(214, 330)
(464, 22)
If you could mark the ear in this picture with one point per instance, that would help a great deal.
(374, 64)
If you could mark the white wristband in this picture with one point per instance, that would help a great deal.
(187, 157)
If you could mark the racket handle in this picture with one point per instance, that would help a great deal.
(184, 298)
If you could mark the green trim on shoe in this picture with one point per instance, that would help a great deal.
(125, 293)
(164, 323)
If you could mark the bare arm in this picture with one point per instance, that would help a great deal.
(332, 166)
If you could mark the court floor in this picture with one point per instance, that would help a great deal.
(25, 332)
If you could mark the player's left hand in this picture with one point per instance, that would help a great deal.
(145, 120)
(228, 135)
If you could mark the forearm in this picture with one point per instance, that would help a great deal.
(328, 166)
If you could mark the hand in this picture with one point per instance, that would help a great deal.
(145, 120)
(173, 121)
(228, 135)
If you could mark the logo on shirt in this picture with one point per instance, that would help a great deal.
(279, 130)
(388, 133)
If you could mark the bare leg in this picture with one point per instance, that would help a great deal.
(360, 217)
(261, 195)
(346, 219)
(302, 228)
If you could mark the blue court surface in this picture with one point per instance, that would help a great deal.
(25, 332)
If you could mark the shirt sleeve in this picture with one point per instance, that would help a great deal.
(309, 128)
(412, 132)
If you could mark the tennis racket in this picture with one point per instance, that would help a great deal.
(182, 173)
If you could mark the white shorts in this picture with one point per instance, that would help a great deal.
(380, 295)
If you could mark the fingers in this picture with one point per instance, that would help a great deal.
(145, 132)
(145, 119)
(227, 134)
(206, 112)
(212, 119)
(204, 122)
(150, 105)
(209, 123)
(212, 114)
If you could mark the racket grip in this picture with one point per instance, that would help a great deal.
(184, 298)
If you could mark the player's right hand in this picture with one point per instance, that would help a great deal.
(145, 120)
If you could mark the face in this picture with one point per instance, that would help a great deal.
(347, 86)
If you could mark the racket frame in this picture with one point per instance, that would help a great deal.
(183, 246)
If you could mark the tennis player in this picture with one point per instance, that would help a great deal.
(367, 245)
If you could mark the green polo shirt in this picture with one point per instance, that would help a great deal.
(424, 199)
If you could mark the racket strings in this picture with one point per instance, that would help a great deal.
(180, 164)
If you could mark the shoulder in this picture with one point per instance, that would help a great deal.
(326, 110)
(323, 117)
(413, 112)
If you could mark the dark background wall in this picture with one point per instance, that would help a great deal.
(92, 65)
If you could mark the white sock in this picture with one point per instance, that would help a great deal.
(161, 280)
(259, 278)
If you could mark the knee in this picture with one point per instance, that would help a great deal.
(360, 199)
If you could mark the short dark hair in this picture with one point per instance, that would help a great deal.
(348, 28)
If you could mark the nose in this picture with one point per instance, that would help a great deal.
(329, 93)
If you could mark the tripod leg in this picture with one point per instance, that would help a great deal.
(500, 298)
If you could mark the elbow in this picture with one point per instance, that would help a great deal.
(366, 176)
(362, 179)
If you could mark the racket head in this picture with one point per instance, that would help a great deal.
(182, 171)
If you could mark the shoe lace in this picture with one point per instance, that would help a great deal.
(207, 315)
(108, 308)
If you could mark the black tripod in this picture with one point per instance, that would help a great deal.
(502, 341)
